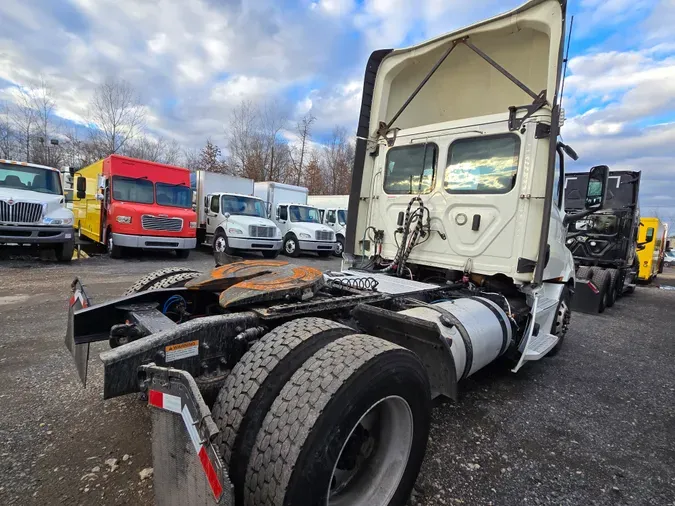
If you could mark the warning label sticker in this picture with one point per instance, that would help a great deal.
(180, 351)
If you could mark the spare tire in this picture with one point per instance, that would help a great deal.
(148, 280)
(349, 427)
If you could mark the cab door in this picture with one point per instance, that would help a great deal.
(212, 213)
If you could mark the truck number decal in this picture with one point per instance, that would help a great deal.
(180, 351)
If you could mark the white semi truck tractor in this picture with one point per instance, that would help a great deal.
(280, 384)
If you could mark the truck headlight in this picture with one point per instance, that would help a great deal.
(57, 221)
(304, 236)
(234, 231)
(124, 219)
(193, 224)
(570, 240)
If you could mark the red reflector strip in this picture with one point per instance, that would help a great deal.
(593, 287)
(156, 398)
(164, 401)
(211, 474)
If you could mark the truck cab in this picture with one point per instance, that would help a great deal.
(239, 222)
(302, 230)
(333, 211)
(126, 203)
(33, 208)
(651, 243)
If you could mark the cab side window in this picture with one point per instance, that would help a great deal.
(215, 204)
(283, 213)
(330, 216)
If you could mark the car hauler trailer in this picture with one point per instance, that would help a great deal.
(298, 387)
(333, 212)
(652, 239)
(604, 244)
(126, 203)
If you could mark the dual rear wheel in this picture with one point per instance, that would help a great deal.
(315, 414)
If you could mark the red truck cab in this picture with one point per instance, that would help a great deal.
(129, 203)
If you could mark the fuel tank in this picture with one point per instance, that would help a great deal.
(477, 329)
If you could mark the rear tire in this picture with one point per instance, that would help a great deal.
(583, 272)
(611, 293)
(270, 254)
(183, 253)
(150, 279)
(601, 280)
(255, 382)
(351, 425)
(64, 251)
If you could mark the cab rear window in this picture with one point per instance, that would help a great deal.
(410, 169)
(482, 164)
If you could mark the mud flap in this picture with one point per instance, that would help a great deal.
(80, 352)
(187, 468)
(587, 297)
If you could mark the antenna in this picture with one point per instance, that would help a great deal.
(567, 57)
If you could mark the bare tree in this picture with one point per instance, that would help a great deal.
(191, 159)
(210, 158)
(117, 114)
(313, 177)
(155, 150)
(297, 153)
(256, 149)
(43, 103)
(339, 158)
(8, 145)
(24, 118)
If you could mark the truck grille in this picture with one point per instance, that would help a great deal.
(261, 231)
(20, 212)
(151, 222)
(324, 236)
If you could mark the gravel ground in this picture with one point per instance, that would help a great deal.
(594, 425)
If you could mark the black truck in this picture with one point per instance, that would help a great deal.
(604, 243)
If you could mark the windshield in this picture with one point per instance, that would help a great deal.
(598, 224)
(304, 214)
(342, 217)
(173, 195)
(132, 190)
(34, 179)
(243, 206)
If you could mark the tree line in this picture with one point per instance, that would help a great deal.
(255, 139)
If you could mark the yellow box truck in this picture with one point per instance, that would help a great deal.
(652, 241)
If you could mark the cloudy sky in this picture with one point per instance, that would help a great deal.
(193, 60)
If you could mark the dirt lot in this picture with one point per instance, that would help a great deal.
(594, 425)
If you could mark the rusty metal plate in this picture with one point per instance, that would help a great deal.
(230, 274)
(253, 281)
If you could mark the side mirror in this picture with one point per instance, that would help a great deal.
(81, 188)
(568, 151)
(596, 191)
(668, 248)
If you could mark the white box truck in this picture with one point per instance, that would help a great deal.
(300, 224)
(333, 211)
(230, 217)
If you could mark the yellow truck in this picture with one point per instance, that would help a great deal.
(652, 240)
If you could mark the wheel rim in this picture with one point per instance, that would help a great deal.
(290, 246)
(220, 244)
(561, 319)
(339, 248)
(374, 457)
